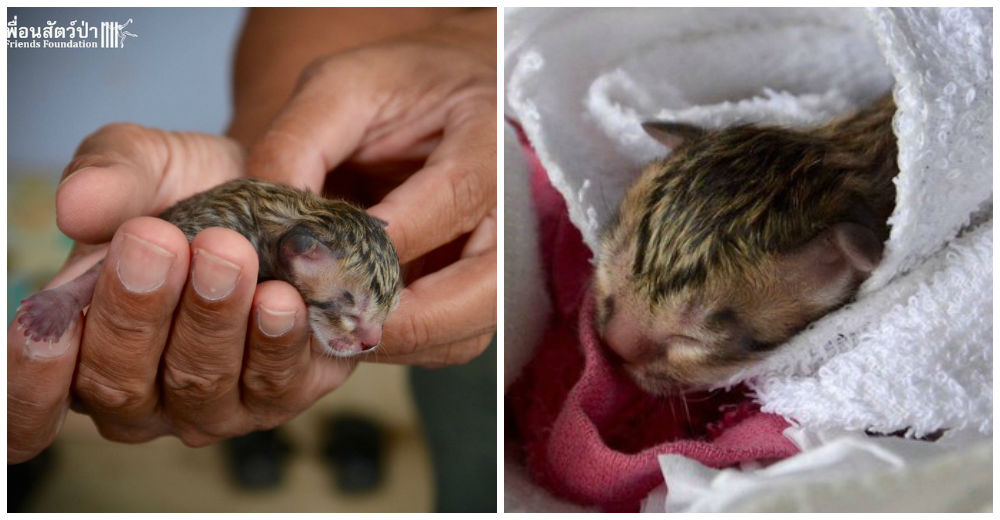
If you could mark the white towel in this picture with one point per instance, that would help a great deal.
(878, 474)
(915, 350)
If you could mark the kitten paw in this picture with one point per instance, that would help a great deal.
(46, 315)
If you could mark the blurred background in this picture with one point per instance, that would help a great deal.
(391, 439)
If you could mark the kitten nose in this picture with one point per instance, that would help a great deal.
(369, 335)
(623, 336)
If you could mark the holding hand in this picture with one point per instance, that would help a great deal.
(368, 115)
(179, 338)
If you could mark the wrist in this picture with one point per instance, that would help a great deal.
(277, 44)
(474, 30)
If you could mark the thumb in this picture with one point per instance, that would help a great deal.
(125, 170)
(322, 124)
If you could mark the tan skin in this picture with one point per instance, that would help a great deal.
(398, 106)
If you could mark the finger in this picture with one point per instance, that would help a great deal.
(327, 373)
(455, 189)
(204, 358)
(127, 326)
(40, 373)
(484, 237)
(38, 382)
(455, 353)
(278, 355)
(322, 123)
(450, 305)
(125, 170)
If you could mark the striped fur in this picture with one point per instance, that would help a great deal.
(725, 201)
(720, 246)
(263, 212)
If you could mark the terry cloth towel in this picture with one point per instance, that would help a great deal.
(587, 432)
(914, 351)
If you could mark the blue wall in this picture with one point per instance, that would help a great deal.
(175, 75)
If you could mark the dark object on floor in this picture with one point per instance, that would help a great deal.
(257, 460)
(354, 447)
(24, 478)
(458, 409)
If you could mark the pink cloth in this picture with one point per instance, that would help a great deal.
(587, 433)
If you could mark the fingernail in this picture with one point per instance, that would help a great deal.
(71, 175)
(212, 277)
(51, 349)
(91, 165)
(274, 323)
(143, 266)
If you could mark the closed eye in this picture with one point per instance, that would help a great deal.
(721, 319)
(322, 305)
(758, 346)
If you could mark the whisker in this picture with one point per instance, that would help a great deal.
(709, 395)
(687, 412)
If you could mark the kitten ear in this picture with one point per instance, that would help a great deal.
(829, 264)
(300, 242)
(297, 242)
(859, 245)
(672, 134)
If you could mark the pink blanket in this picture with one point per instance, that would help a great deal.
(586, 432)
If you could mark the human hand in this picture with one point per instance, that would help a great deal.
(151, 356)
(409, 124)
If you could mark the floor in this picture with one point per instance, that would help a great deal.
(91, 474)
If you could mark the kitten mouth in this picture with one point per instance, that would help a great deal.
(654, 382)
(342, 347)
(347, 347)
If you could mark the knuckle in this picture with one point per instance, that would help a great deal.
(467, 198)
(270, 384)
(101, 392)
(194, 384)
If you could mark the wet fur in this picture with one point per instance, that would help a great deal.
(264, 212)
(338, 257)
(712, 240)
(356, 274)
